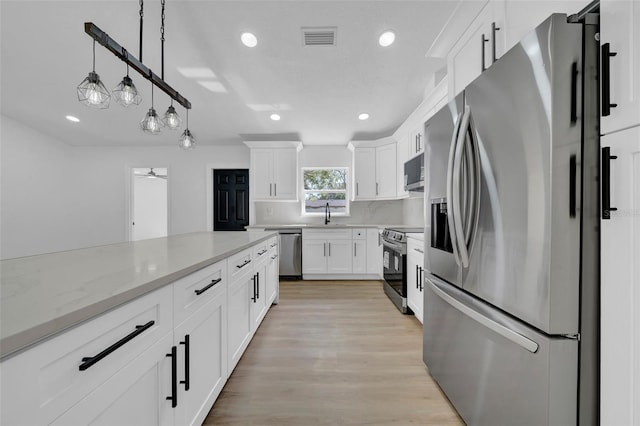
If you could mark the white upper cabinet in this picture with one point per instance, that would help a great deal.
(620, 33)
(274, 171)
(374, 172)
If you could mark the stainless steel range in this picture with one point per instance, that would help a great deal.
(394, 246)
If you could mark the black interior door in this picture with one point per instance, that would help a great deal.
(230, 200)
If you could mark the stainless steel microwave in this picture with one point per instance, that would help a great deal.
(414, 174)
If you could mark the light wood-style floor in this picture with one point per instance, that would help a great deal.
(333, 353)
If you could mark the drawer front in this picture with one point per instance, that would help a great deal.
(58, 361)
(260, 251)
(327, 234)
(359, 233)
(239, 263)
(194, 291)
(273, 242)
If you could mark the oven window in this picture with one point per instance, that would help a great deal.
(394, 266)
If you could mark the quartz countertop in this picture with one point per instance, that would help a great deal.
(45, 294)
(323, 226)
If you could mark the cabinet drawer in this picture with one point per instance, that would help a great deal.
(273, 243)
(53, 366)
(194, 291)
(327, 234)
(239, 263)
(260, 251)
(359, 233)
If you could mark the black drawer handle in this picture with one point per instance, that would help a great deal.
(246, 262)
(208, 286)
(90, 360)
(273, 245)
(186, 344)
(174, 377)
(262, 252)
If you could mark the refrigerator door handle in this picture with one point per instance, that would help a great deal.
(475, 176)
(455, 211)
(505, 332)
(450, 176)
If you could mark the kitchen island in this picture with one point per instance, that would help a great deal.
(147, 330)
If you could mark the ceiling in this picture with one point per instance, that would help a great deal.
(318, 91)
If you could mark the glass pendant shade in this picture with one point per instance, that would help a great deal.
(126, 93)
(187, 140)
(171, 118)
(151, 123)
(93, 93)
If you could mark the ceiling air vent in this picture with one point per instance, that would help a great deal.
(319, 36)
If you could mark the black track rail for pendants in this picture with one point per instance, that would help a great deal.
(114, 47)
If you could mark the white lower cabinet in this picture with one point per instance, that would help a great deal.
(415, 276)
(273, 273)
(258, 305)
(339, 256)
(359, 256)
(160, 359)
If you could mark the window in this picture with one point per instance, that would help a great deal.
(322, 186)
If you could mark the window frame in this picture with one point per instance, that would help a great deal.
(345, 191)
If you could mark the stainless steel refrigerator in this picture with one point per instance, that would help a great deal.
(511, 238)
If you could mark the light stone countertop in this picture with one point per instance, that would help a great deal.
(323, 226)
(45, 294)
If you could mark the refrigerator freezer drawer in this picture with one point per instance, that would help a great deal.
(493, 368)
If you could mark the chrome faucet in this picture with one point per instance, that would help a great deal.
(327, 214)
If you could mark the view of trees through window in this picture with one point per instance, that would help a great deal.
(326, 185)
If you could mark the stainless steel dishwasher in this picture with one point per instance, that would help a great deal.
(290, 252)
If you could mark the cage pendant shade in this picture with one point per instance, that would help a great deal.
(151, 123)
(171, 118)
(93, 93)
(126, 93)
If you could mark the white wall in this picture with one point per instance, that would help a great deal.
(413, 210)
(56, 197)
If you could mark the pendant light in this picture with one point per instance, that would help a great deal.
(126, 93)
(151, 123)
(171, 118)
(187, 140)
(92, 91)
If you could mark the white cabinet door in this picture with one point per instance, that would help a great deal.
(202, 360)
(339, 256)
(386, 171)
(258, 304)
(620, 284)
(262, 173)
(240, 295)
(364, 171)
(314, 256)
(285, 174)
(273, 277)
(374, 252)
(620, 28)
(416, 141)
(136, 395)
(415, 275)
(359, 256)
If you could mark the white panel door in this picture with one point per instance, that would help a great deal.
(374, 252)
(620, 285)
(386, 167)
(359, 256)
(239, 297)
(285, 174)
(261, 183)
(258, 305)
(620, 27)
(364, 173)
(339, 256)
(314, 256)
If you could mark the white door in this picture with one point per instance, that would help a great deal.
(261, 182)
(314, 256)
(285, 173)
(414, 261)
(364, 173)
(149, 203)
(359, 256)
(240, 292)
(339, 256)
(386, 166)
(258, 304)
(620, 285)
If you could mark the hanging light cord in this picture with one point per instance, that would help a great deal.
(162, 40)
(141, 19)
(94, 56)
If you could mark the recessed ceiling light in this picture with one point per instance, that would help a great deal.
(274, 117)
(72, 118)
(249, 39)
(363, 116)
(387, 38)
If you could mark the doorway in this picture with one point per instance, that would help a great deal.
(149, 203)
(230, 199)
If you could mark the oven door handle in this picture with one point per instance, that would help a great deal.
(394, 246)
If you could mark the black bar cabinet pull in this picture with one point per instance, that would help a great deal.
(605, 202)
(208, 286)
(494, 28)
(421, 279)
(574, 93)
(417, 276)
(90, 360)
(572, 185)
(606, 79)
(258, 286)
(254, 279)
(246, 262)
(174, 377)
(484, 40)
(185, 382)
